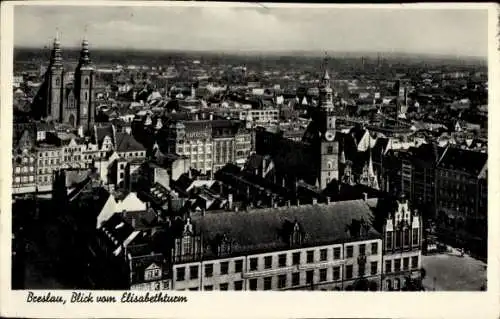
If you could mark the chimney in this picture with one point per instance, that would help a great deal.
(328, 200)
(365, 196)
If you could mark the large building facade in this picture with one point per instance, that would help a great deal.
(308, 247)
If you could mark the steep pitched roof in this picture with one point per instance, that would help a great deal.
(127, 143)
(262, 229)
(101, 131)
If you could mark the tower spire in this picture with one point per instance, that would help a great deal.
(56, 56)
(326, 76)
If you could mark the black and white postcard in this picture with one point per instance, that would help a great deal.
(248, 160)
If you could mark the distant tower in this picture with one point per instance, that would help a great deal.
(55, 80)
(84, 82)
(368, 176)
(329, 146)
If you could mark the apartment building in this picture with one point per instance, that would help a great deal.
(309, 247)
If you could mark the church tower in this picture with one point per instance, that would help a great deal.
(84, 83)
(55, 80)
(329, 145)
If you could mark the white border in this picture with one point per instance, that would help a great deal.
(261, 304)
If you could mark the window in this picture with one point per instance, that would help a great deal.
(238, 266)
(373, 267)
(406, 263)
(374, 248)
(209, 270)
(281, 281)
(414, 262)
(86, 96)
(388, 266)
(186, 242)
(329, 150)
(349, 252)
(193, 272)
(397, 285)
(323, 254)
(253, 284)
(238, 285)
(348, 271)
(296, 258)
(224, 268)
(362, 249)
(254, 262)
(388, 240)
(268, 262)
(397, 265)
(181, 274)
(268, 283)
(282, 260)
(415, 237)
(336, 253)
(322, 274)
(336, 273)
(406, 238)
(310, 256)
(193, 289)
(223, 286)
(398, 240)
(295, 278)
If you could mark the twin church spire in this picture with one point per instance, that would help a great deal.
(56, 53)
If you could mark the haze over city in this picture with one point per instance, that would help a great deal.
(263, 29)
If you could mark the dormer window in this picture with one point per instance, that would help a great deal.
(223, 246)
(296, 235)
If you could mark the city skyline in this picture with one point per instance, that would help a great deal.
(272, 29)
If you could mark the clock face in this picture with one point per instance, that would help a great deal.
(329, 136)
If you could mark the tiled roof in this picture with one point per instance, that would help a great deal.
(127, 143)
(262, 229)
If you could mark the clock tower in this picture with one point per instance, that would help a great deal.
(326, 120)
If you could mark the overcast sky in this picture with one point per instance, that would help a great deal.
(456, 32)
